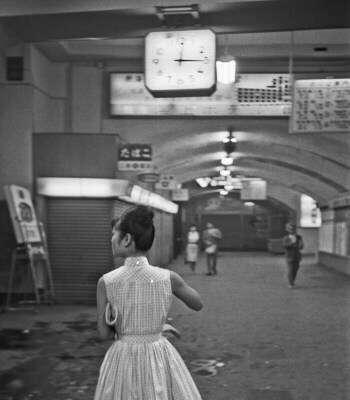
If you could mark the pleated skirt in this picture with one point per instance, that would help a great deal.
(144, 367)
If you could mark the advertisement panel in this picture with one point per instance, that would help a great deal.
(22, 214)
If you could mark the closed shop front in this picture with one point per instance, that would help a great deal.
(79, 234)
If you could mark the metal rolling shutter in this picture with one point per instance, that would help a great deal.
(119, 207)
(78, 233)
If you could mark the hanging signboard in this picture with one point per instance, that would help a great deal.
(310, 214)
(167, 182)
(22, 214)
(321, 105)
(135, 157)
(180, 195)
(253, 190)
(251, 95)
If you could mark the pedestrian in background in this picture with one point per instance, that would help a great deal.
(292, 244)
(133, 302)
(193, 238)
(210, 239)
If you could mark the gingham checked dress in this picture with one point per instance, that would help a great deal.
(142, 364)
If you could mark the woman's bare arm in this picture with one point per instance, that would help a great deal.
(105, 331)
(184, 292)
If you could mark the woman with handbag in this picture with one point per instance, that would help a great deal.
(210, 239)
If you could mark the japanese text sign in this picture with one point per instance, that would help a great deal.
(135, 157)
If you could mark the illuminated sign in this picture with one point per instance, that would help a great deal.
(103, 188)
(251, 95)
(310, 214)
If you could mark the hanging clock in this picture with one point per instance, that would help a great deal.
(180, 63)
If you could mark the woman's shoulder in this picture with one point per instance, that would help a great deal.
(112, 275)
(161, 272)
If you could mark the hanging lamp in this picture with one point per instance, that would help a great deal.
(226, 68)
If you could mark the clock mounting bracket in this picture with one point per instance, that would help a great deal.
(178, 16)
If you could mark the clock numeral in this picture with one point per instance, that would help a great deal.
(200, 71)
(159, 72)
(206, 60)
(160, 51)
(155, 61)
(180, 82)
(201, 51)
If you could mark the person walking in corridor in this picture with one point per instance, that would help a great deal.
(292, 243)
(133, 302)
(192, 247)
(210, 239)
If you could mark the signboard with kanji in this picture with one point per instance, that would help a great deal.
(135, 157)
(321, 105)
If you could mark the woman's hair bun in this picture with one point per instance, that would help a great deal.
(138, 222)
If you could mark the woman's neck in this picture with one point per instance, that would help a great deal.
(136, 254)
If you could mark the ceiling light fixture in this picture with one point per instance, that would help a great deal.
(226, 68)
(223, 192)
(227, 160)
(225, 172)
(203, 182)
(230, 142)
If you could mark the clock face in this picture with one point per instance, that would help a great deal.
(180, 63)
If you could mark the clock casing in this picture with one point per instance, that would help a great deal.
(180, 63)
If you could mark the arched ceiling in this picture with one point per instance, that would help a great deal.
(257, 32)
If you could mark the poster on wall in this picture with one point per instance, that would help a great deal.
(321, 105)
(22, 214)
(251, 95)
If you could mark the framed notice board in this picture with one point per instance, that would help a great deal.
(321, 105)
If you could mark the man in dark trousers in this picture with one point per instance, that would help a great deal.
(292, 243)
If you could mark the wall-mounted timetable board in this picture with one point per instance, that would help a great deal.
(321, 105)
(250, 95)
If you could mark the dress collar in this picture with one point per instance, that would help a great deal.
(140, 261)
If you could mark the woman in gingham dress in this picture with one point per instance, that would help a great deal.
(133, 302)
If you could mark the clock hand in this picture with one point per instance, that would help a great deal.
(184, 60)
(180, 59)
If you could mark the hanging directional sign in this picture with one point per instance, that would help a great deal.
(167, 182)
